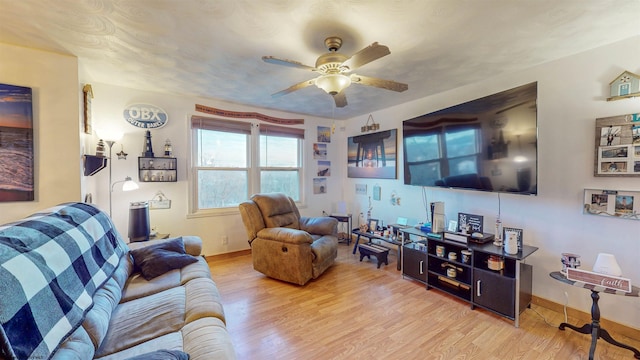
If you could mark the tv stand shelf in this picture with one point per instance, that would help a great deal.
(506, 292)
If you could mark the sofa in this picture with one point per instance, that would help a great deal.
(285, 245)
(73, 289)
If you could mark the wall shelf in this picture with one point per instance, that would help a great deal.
(157, 169)
(93, 164)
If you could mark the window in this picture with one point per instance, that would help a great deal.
(280, 160)
(232, 160)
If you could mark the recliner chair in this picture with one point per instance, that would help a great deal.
(285, 245)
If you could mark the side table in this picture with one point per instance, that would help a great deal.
(344, 236)
(594, 328)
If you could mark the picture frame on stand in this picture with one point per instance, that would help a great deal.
(507, 232)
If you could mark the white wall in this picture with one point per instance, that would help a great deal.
(572, 93)
(53, 79)
(108, 106)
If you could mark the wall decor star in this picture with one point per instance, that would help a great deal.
(122, 155)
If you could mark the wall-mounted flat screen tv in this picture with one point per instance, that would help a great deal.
(488, 144)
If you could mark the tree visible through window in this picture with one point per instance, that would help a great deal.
(224, 170)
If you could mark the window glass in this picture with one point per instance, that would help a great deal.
(222, 149)
(221, 188)
(287, 182)
(276, 151)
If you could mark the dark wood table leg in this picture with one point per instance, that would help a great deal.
(596, 331)
(355, 246)
(399, 256)
(604, 334)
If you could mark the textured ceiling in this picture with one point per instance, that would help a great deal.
(213, 48)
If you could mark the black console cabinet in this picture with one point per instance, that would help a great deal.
(506, 292)
(414, 261)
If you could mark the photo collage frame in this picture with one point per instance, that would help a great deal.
(618, 146)
(614, 203)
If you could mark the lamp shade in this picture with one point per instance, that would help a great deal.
(129, 184)
(607, 264)
(109, 133)
(333, 84)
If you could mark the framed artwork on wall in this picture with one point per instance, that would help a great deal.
(617, 146)
(373, 155)
(16, 143)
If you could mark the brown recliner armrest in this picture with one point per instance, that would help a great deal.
(319, 225)
(285, 235)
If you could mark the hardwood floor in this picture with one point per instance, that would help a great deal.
(355, 311)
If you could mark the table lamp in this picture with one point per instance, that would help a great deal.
(607, 264)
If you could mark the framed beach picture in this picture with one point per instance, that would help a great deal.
(16, 144)
(373, 155)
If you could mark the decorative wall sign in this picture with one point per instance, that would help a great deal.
(87, 92)
(372, 155)
(617, 145)
(145, 116)
(16, 143)
(247, 115)
(625, 85)
(599, 280)
(614, 203)
(470, 223)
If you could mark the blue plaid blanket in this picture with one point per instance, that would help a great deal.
(51, 264)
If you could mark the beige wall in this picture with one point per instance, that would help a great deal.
(53, 79)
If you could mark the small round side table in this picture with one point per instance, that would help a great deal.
(594, 328)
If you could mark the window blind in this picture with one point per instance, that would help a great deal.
(272, 130)
(205, 123)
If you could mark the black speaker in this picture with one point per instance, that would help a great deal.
(139, 223)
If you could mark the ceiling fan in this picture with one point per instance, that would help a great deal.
(335, 70)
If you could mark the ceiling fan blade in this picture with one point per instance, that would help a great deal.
(370, 53)
(379, 83)
(289, 63)
(340, 99)
(295, 87)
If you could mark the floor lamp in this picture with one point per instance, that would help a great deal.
(128, 183)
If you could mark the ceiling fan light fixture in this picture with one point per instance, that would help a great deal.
(333, 84)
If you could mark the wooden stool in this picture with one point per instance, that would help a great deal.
(380, 252)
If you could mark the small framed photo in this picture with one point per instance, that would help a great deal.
(507, 232)
(453, 226)
(361, 189)
(373, 225)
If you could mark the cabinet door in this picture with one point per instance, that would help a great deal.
(414, 264)
(494, 291)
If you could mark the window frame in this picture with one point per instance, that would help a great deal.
(254, 170)
(300, 160)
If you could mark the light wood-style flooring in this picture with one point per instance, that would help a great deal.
(356, 311)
